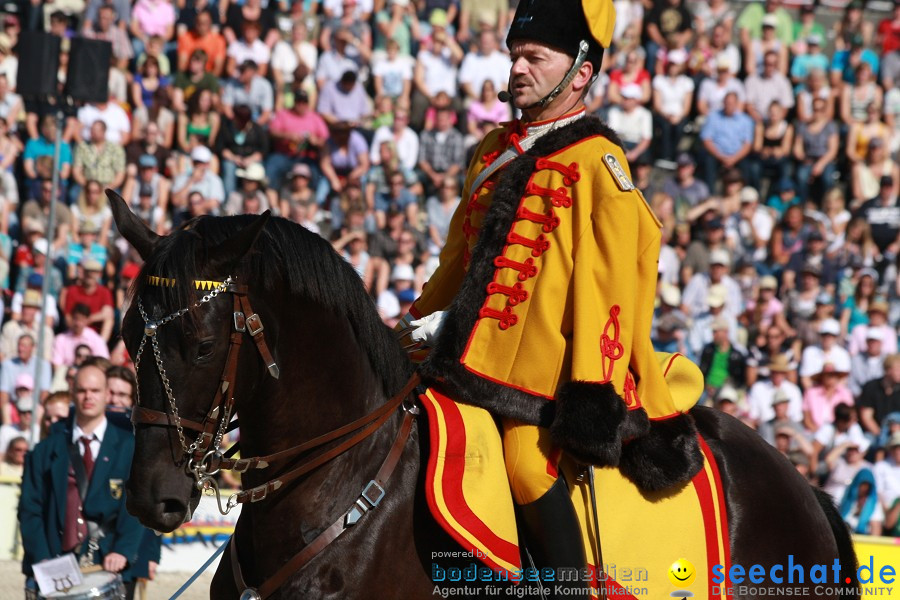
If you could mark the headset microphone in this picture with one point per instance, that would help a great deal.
(504, 96)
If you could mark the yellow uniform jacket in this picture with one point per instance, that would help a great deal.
(549, 279)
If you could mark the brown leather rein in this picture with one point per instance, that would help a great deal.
(205, 459)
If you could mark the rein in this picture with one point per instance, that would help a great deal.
(204, 455)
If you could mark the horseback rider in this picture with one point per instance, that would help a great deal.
(541, 308)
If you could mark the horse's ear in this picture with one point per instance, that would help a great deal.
(226, 255)
(131, 227)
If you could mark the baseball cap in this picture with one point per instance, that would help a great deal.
(770, 21)
(868, 272)
(301, 170)
(678, 56)
(670, 294)
(41, 246)
(720, 323)
(874, 334)
(727, 393)
(146, 190)
(719, 256)
(130, 270)
(403, 273)
(768, 282)
(147, 161)
(91, 264)
(723, 62)
(301, 96)
(684, 159)
(407, 296)
(201, 154)
(24, 381)
(829, 327)
(824, 298)
(438, 18)
(632, 91)
(780, 397)
(895, 440)
(815, 39)
(388, 305)
(89, 226)
(749, 194)
(715, 297)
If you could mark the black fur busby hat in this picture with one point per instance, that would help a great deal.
(564, 23)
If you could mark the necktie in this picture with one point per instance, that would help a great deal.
(88, 456)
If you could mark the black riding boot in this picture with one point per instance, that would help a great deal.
(553, 538)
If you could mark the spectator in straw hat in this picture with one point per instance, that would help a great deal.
(868, 364)
(252, 197)
(697, 289)
(700, 332)
(27, 322)
(780, 402)
(819, 400)
(814, 358)
(761, 394)
(878, 322)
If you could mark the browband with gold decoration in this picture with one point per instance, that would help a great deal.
(170, 282)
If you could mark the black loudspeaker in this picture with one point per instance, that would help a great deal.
(38, 64)
(88, 76)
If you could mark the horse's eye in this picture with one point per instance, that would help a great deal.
(205, 350)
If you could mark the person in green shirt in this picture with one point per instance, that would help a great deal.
(749, 22)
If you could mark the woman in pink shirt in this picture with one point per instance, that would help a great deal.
(819, 401)
(487, 109)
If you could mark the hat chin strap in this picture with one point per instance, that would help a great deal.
(570, 75)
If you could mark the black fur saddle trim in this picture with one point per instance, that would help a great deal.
(669, 455)
(592, 422)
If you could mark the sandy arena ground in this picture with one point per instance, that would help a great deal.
(12, 582)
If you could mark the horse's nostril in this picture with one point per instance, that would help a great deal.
(171, 505)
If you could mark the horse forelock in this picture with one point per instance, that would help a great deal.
(286, 263)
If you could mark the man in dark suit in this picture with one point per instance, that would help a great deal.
(73, 488)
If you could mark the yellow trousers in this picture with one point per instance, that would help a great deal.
(531, 460)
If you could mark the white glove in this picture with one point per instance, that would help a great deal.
(427, 328)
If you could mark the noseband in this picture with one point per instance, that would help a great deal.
(202, 451)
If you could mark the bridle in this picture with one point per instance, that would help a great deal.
(204, 458)
(202, 452)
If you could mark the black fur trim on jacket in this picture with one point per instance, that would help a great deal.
(443, 363)
(667, 456)
(592, 422)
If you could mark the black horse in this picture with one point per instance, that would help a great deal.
(339, 363)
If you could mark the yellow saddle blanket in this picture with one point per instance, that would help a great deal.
(642, 534)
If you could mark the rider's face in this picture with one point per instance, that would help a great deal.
(535, 71)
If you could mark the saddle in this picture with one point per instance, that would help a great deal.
(642, 533)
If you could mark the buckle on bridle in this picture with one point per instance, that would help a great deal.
(240, 323)
(254, 325)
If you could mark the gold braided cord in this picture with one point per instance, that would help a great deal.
(204, 285)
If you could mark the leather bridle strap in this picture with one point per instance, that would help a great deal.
(244, 464)
(259, 492)
(367, 500)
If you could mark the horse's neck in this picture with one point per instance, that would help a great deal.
(323, 386)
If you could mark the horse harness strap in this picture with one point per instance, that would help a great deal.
(380, 416)
(370, 497)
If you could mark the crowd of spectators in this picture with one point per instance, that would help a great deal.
(763, 134)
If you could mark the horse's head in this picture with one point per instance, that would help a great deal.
(178, 331)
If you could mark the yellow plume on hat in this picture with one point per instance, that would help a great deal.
(601, 19)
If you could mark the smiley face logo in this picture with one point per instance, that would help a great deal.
(682, 573)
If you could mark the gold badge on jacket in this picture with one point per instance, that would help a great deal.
(116, 488)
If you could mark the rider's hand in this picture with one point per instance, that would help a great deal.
(427, 328)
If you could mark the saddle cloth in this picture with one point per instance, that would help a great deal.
(641, 533)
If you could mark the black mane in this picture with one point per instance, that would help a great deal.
(285, 257)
